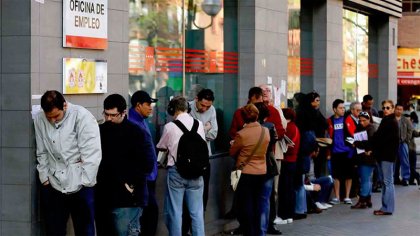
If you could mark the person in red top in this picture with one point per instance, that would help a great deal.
(287, 198)
(255, 95)
(352, 120)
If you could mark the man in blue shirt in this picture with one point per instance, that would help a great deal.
(341, 162)
(141, 109)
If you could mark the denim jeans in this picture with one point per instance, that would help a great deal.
(365, 174)
(59, 206)
(265, 204)
(300, 207)
(177, 187)
(403, 162)
(126, 220)
(388, 191)
(326, 184)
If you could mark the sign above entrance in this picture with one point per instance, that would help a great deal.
(85, 24)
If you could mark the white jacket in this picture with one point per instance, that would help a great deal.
(68, 152)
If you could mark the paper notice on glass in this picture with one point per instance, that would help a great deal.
(360, 136)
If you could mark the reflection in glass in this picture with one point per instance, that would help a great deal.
(355, 56)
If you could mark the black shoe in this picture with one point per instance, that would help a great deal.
(314, 210)
(299, 216)
(404, 183)
(412, 183)
(236, 231)
(397, 181)
(274, 231)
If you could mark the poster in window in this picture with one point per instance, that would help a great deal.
(84, 76)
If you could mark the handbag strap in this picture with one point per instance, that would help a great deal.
(241, 166)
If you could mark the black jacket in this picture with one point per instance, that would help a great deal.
(367, 145)
(123, 161)
(386, 139)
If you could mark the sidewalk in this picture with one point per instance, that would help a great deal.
(342, 221)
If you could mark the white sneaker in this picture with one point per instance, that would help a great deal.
(290, 220)
(282, 222)
(347, 201)
(327, 205)
(334, 201)
(320, 206)
(277, 220)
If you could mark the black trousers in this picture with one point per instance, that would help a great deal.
(150, 216)
(59, 206)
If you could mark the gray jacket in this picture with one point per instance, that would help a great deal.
(406, 129)
(68, 152)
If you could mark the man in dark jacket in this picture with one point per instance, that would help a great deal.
(121, 191)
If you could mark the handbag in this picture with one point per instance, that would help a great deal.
(162, 158)
(235, 175)
(272, 169)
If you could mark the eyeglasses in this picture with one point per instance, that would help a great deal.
(111, 115)
(386, 108)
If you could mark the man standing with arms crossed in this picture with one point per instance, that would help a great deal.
(68, 150)
(141, 109)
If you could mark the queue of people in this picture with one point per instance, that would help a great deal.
(292, 162)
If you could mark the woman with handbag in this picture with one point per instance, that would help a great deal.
(249, 149)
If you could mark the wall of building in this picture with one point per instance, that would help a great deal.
(31, 63)
(408, 31)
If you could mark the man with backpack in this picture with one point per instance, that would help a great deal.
(188, 155)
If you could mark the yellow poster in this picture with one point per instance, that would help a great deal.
(81, 76)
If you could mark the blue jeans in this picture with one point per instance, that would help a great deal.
(388, 191)
(126, 220)
(300, 207)
(326, 184)
(404, 161)
(177, 187)
(365, 173)
(59, 206)
(265, 204)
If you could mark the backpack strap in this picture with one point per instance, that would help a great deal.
(184, 129)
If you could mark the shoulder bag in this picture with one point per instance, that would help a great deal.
(236, 174)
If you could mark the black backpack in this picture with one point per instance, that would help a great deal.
(193, 154)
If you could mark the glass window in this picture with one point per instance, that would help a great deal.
(411, 6)
(293, 52)
(355, 58)
(164, 65)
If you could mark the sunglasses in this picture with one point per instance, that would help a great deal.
(386, 108)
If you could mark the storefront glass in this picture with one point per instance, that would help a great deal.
(164, 65)
(293, 52)
(355, 56)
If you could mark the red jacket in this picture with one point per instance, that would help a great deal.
(351, 125)
(293, 133)
(274, 117)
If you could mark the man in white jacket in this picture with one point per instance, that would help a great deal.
(68, 150)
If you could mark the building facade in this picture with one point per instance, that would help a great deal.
(341, 49)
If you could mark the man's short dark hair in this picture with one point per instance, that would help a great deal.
(255, 91)
(205, 94)
(399, 105)
(52, 99)
(367, 98)
(337, 102)
(115, 101)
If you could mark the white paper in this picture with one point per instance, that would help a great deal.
(35, 110)
(277, 96)
(40, 1)
(360, 136)
(376, 119)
